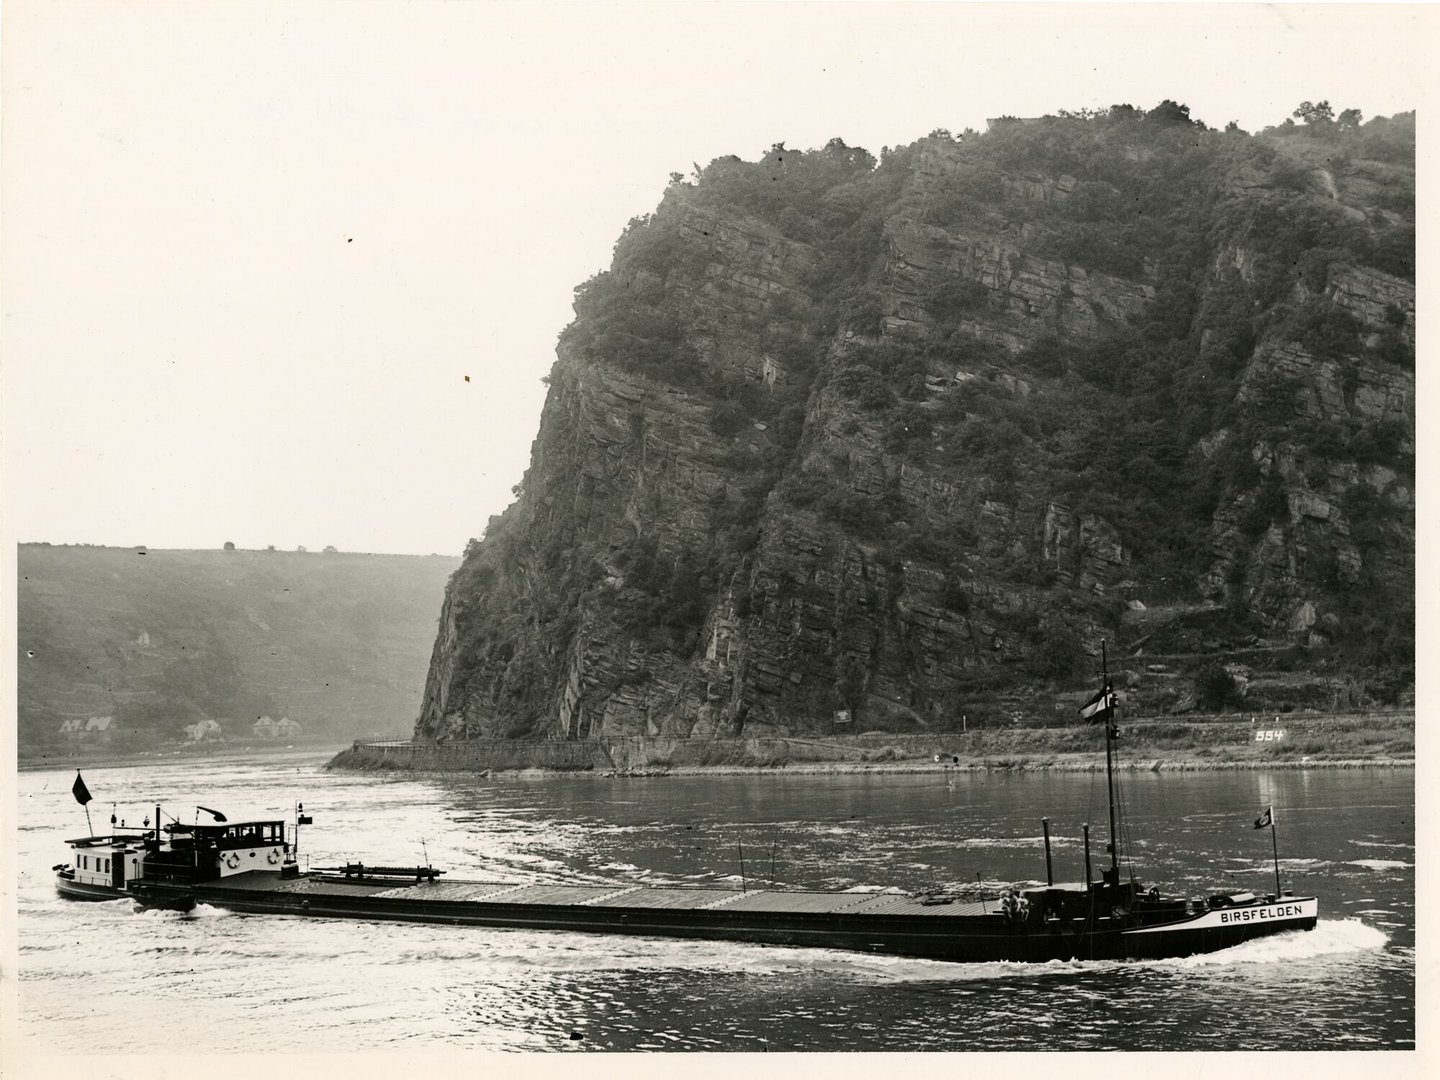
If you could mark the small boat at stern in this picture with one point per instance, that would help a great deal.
(101, 867)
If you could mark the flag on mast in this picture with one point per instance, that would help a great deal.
(1267, 819)
(1098, 708)
(80, 791)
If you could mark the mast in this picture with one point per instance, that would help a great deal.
(1049, 869)
(1275, 847)
(1109, 714)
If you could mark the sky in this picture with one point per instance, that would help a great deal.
(291, 274)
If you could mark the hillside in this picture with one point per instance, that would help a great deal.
(840, 443)
(163, 640)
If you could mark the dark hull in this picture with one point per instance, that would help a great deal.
(964, 933)
(80, 890)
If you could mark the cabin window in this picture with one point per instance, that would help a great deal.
(84, 862)
(107, 866)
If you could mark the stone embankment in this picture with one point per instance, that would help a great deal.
(1308, 741)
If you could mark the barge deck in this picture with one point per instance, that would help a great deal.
(1060, 922)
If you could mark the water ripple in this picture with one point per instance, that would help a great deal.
(107, 975)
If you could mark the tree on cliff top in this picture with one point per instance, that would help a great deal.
(1170, 112)
(1316, 114)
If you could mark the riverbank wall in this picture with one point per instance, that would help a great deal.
(1311, 740)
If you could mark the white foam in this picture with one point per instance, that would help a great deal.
(1381, 843)
(1381, 864)
(199, 911)
(1329, 937)
(1001, 842)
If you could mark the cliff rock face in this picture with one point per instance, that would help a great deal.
(1025, 297)
(838, 445)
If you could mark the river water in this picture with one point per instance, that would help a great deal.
(106, 978)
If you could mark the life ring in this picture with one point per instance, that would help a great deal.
(232, 861)
(273, 857)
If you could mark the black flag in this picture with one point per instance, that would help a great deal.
(216, 814)
(1267, 819)
(1099, 708)
(82, 793)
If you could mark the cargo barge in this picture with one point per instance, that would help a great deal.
(1098, 921)
(252, 868)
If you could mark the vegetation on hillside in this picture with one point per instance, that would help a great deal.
(121, 651)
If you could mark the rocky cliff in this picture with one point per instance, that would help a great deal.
(838, 444)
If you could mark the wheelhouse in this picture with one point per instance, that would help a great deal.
(204, 852)
(246, 834)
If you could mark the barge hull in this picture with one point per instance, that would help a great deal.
(84, 890)
(960, 933)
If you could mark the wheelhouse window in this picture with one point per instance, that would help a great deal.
(247, 834)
